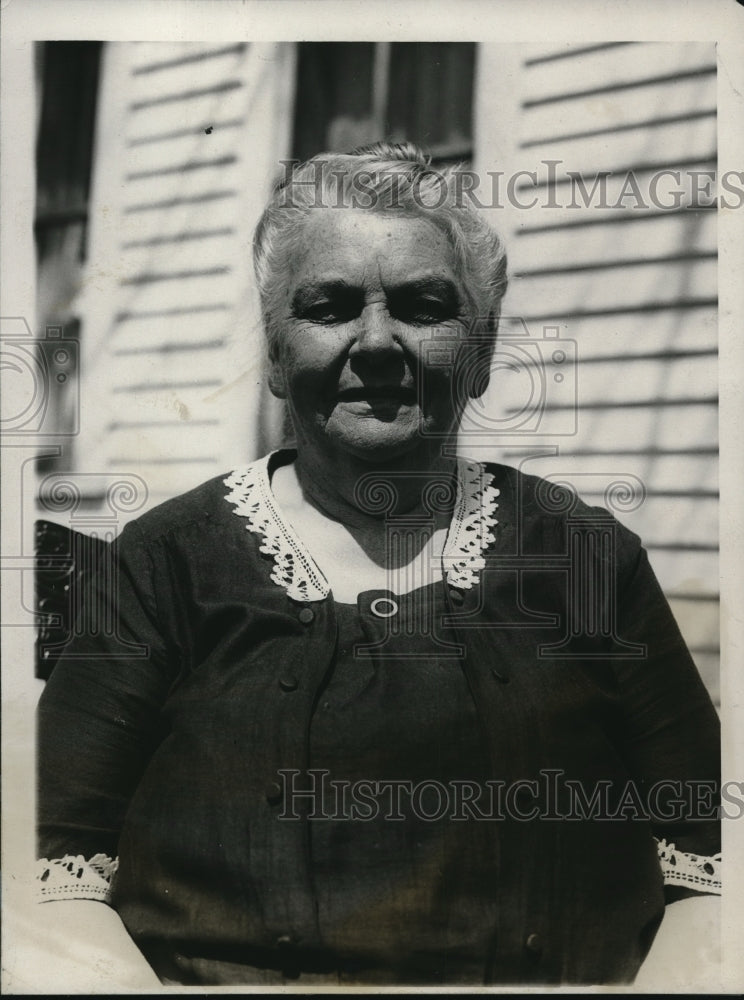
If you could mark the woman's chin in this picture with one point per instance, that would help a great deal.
(375, 441)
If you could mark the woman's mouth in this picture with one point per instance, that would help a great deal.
(378, 393)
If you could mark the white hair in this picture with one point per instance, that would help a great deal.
(381, 177)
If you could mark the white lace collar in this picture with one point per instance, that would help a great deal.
(296, 571)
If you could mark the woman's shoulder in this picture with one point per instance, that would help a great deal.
(524, 498)
(530, 494)
(210, 503)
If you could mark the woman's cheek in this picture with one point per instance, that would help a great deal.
(437, 393)
(439, 354)
(315, 349)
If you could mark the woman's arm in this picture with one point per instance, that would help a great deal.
(672, 743)
(98, 724)
(81, 946)
(686, 950)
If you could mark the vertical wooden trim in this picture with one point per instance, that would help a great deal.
(380, 86)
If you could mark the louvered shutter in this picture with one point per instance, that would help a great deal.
(188, 142)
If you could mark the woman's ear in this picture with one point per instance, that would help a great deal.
(277, 383)
(478, 355)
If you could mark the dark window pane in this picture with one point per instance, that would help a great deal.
(64, 148)
(352, 93)
(64, 155)
(430, 100)
(334, 96)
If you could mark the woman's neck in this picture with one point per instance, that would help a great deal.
(361, 494)
(397, 518)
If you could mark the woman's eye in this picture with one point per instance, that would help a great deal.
(330, 312)
(321, 313)
(425, 311)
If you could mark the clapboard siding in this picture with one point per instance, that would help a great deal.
(673, 331)
(670, 522)
(633, 383)
(614, 430)
(611, 68)
(626, 110)
(632, 282)
(618, 286)
(676, 142)
(682, 570)
(694, 478)
(639, 238)
(614, 217)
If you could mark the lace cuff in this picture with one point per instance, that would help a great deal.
(74, 877)
(693, 871)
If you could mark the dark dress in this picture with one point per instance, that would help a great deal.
(441, 842)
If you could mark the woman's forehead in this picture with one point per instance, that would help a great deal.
(355, 243)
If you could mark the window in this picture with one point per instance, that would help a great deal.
(353, 93)
(69, 86)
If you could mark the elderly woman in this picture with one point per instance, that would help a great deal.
(356, 721)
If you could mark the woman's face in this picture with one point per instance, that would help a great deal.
(366, 295)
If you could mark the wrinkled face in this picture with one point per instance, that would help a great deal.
(366, 296)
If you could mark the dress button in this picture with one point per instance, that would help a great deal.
(274, 792)
(288, 683)
(283, 940)
(456, 596)
(306, 615)
(384, 607)
(534, 943)
(500, 675)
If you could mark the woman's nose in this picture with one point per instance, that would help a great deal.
(375, 331)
